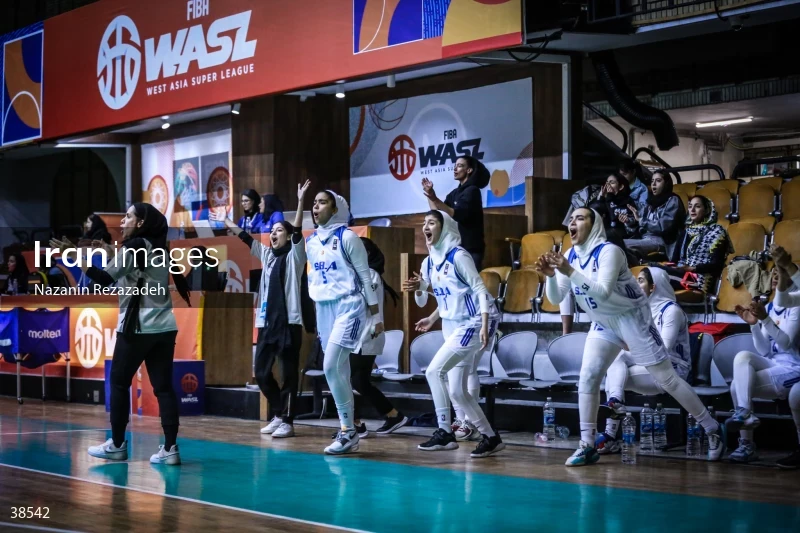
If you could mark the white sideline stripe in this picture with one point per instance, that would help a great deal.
(183, 498)
(54, 431)
(37, 528)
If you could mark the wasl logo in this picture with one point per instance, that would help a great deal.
(90, 338)
(403, 155)
(119, 60)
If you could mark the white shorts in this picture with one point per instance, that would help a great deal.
(341, 321)
(633, 331)
(681, 370)
(783, 379)
(463, 339)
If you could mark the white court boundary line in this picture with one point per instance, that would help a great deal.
(37, 528)
(54, 431)
(184, 498)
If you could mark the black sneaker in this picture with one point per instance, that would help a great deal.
(488, 446)
(441, 440)
(792, 462)
(362, 432)
(392, 423)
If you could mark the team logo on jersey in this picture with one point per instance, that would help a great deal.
(335, 243)
(446, 267)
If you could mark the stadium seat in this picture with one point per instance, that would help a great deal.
(531, 247)
(556, 234)
(728, 296)
(725, 352)
(774, 182)
(515, 354)
(689, 189)
(542, 303)
(684, 199)
(790, 201)
(388, 362)
(422, 349)
(747, 237)
(732, 186)
(721, 199)
(492, 282)
(566, 243)
(566, 355)
(503, 272)
(522, 288)
(637, 270)
(787, 234)
(756, 204)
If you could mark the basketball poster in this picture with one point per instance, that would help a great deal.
(395, 144)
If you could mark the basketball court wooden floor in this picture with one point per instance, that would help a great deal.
(232, 478)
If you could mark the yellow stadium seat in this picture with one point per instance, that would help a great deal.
(729, 296)
(557, 234)
(774, 183)
(684, 199)
(689, 189)
(503, 272)
(756, 204)
(532, 246)
(732, 186)
(566, 243)
(790, 200)
(492, 282)
(787, 234)
(637, 270)
(522, 288)
(721, 199)
(747, 237)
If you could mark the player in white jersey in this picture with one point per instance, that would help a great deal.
(624, 374)
(339, 272)
(775, 369)
(598, 274)
(469, 320)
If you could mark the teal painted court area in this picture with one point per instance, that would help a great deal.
(358, 493)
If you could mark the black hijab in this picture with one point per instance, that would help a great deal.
(272, 204)
(622, 199)
(21, 273)
(377, 262)
(256, 198)
(277, 331)
(660, 199)
(98, 231)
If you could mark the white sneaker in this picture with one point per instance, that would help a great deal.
(274, 424)
(468, 432)
(456, 425)
(283, 431)
(716, 443)
(164, 457)
(346, 442)
(107, 450)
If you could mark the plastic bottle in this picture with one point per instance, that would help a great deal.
(646, 430)
(693, 431)
(550, 420)
(659, 427)
(628, 440)
(704, 440)
(182, 231)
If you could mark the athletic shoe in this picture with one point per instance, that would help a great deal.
(742, 419)
(745, 453)
(606, 444)
(363, 433)
(716, 442)
(274, 424)
(488, 446)
(457, 423)
(164, 457)
(792, 462)
(616, 406)
(441, 440)
(392, 423)
(284, 430)
(107, 450)
(467, 431)
(584, 455)
(346, 442)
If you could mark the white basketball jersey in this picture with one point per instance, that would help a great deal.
(681, 353)
(784, 357)
(453, 293)
(626, 295)
(332, 275)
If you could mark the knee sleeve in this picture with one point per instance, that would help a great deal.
(590, 380)
(665, 375)
(742, 358)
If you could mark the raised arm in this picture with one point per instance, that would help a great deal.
(301, 192)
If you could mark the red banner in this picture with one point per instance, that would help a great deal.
(119, 61)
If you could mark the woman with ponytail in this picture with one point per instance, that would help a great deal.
(146, 329)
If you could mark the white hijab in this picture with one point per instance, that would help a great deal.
(663, 292)
(338, 220)
(596, 237)
(449, 239)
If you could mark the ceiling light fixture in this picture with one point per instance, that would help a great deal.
(165, 117)
(724, 123)
(165, 126)
(391, 81)
(340, 94)
(237, 107)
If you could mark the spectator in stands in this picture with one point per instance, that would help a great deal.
(18, 273)
(252, 219)
(616, 194)
(94, 229)
(271, 209)
(464, 204)
(632, 171)
(659, 221)
(770, 373)
(703, 250)
(612, 236)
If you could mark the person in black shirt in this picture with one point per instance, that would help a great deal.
(464, 204)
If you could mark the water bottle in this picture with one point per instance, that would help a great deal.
(628, 440)
(550, 420)
(693, 431)
(182, 231)
(704, 440)
(659, 427)
(646, 430)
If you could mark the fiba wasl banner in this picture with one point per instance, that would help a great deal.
(21, 77)
(395, 144)
(188, 178)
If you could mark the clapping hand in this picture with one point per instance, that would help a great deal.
(413, 283)
(427, 188)
(746, 314)
(559, 262)
(541, 265)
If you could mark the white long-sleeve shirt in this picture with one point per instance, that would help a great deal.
(778, 335)
(457, 286)
(339, 267)
(295, 263)
(787, 299)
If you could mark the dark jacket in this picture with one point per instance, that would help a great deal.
(665, 221)
(467, 205)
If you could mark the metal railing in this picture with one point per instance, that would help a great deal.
(602, 11)
(648, 151)
(690, 168)
(764, 161)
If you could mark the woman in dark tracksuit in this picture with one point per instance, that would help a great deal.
(146, 330)
(279, 316)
